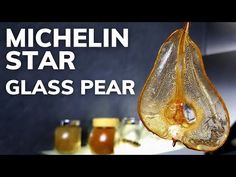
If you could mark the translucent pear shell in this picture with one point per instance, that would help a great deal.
(178, 101)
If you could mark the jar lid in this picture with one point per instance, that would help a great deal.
(105, 122)
(75, 122)
(65, 122)
(130, 120)
(70, 122)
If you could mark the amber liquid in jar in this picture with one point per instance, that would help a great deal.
(68, 138)
(102, 140)
(102, 137)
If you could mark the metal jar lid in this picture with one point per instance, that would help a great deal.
(130, 120)
(70, 122)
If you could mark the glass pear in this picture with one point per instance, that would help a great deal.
(178, 101)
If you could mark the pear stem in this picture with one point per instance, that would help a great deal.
(186, 27)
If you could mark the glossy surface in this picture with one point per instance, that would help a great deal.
(179, 102)
(68, 139)
(102, 139)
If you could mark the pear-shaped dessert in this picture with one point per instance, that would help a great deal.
(178, 101)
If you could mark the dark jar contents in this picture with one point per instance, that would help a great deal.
(102, 137)
(68, 137)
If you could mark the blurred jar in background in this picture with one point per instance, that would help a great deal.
(130, 131)
(68, 137)
(103, 135)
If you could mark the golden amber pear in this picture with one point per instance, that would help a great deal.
(179, 102)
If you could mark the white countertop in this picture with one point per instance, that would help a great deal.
(149, 145)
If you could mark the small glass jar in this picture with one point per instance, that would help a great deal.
(103, 134)
(68, 137)
(130, 131)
